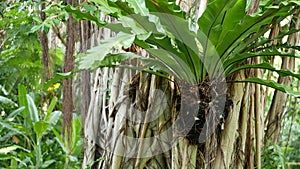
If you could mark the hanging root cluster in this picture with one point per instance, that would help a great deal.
(203, 108)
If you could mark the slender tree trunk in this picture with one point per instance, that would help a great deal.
(279, 100)
(274, 33)
(45, 47)
(243, 127)
(68, 66)
(85, 44)
(53, 47)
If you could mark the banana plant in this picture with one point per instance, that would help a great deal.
(225, 38)
(27, 137)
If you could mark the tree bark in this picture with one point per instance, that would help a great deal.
(45, 48)
(96, 120)
(279, 100)
(257, 103)
(85, 44)
(68, 66)
(226, 153)
(233, 150)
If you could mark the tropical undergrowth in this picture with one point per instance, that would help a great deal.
(31, 135)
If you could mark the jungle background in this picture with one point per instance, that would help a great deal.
(66, 67)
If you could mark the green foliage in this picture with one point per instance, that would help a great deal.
(20, 50)
(94, 162)
(28, 130)
(57, 78)
(272, 84)
(227, 36)
(31, 138)
(290, 135)
(273, 157)
(72, 151)
(106, 47)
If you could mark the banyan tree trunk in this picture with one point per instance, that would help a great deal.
(149, 122)
(138, 120)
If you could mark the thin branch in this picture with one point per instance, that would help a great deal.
(56, 31)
